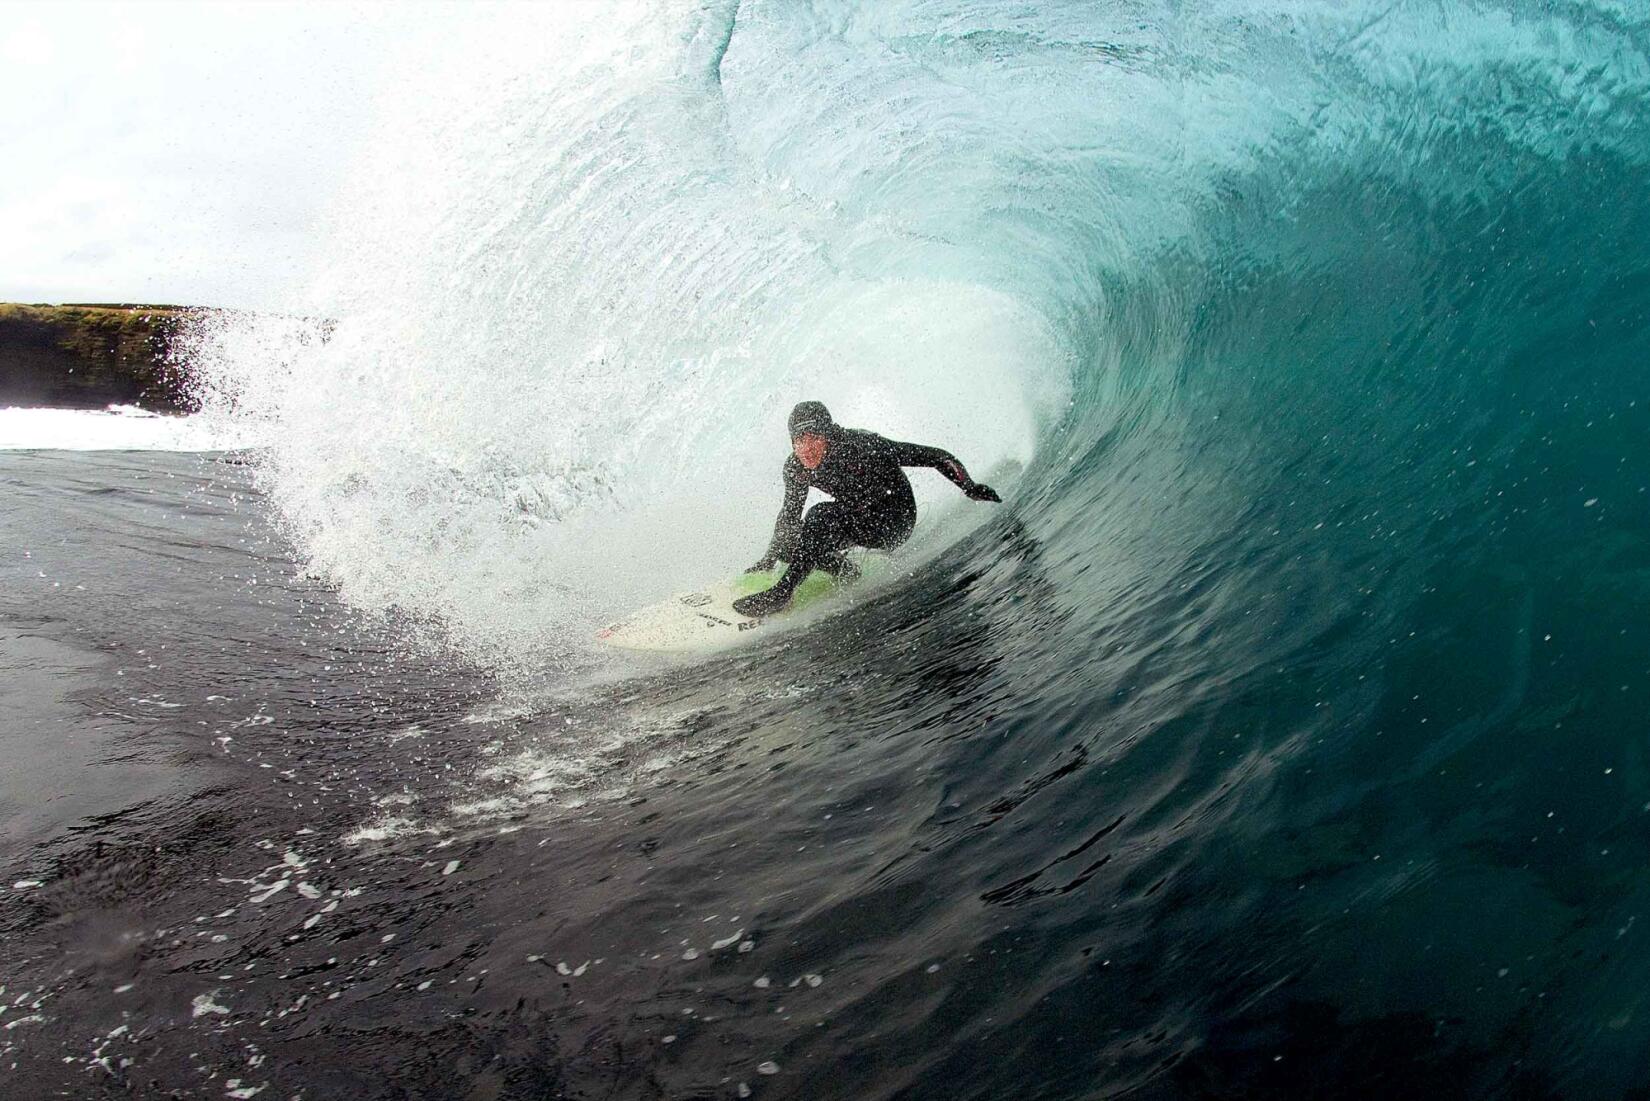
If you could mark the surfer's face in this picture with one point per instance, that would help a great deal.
(809, 450)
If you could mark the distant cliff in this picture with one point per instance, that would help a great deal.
(91, 355)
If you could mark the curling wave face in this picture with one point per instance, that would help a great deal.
(577, 284)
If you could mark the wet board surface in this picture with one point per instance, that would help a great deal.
(703, 620)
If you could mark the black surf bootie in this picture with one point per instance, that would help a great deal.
(766, 602)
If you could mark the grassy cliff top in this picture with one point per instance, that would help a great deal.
(90, 354)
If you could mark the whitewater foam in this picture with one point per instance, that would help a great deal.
(117, 428)
(570, 314)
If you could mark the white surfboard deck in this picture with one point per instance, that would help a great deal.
(703, 620)
(688, 623)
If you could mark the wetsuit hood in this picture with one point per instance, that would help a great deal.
(810, 416)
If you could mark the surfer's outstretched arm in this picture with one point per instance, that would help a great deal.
(789, 524)
(916, 454)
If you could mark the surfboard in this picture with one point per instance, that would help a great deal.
(703, 620)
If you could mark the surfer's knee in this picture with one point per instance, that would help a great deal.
(823, 525)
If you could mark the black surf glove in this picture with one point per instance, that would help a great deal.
(979, 491)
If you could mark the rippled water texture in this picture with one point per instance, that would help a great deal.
(1282, 734)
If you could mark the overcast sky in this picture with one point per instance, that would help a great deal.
(179, 152)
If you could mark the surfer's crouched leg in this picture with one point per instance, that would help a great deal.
(769, 601)
(766, 602)
(826, 531)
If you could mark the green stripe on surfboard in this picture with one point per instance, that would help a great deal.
(814, 587)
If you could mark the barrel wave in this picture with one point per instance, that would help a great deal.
(1285, 729)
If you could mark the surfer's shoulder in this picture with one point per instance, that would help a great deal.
(862, 439)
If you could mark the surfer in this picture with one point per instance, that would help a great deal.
(872, 506)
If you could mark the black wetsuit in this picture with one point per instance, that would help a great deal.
(872, 503)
